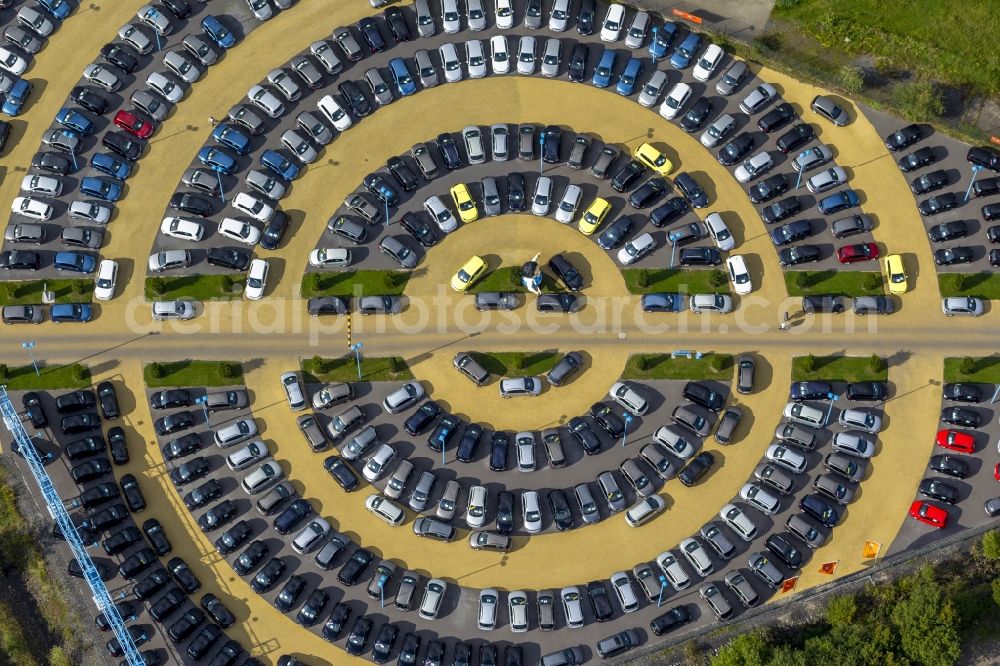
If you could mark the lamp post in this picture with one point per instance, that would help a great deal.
(386, 200)
(541, 153)
(356, 348)
(975, 172)
(628, 419)
(222, 190)
(798, 179)
(663, 588)
(29, 345)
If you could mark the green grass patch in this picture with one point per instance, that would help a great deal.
(198, 287)
(980, 285)
(24, 378)
(838, 368)
(837, 283)
(508, 278)
(318, 370)
(661, 366)
(517, 364)
(193, 373)
(645, 281)
(984, 369)
(30, 291)
(355, 283)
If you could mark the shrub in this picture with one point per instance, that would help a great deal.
(842, 610)
(802, 280)
(875, 363)
(808, 363)
(397, 365)
(321, 365)
(314, 282)
(58, 657)
(872, 282)
(4, 372)
(717, 278)
(851, 78)
(968, 366)
(80, 373)
(919, 100)
(641, 363)
(642, 278)
(78, 287)
(157, 285)
(156, 370)
(229, 370)
(227, 283)
(718, 362)
(991, 545)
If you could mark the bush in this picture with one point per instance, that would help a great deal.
(80, 373)
(808, 363)
(802, 280)
(58, 657)
(996, 591)
(641, 363)
(397, 365)
(156, 371)
(875, 363)
(227, 283)
(322, 365)
(872, 281)
(718, 362)
(717, 278)
(991, 545)
(919, 100)
(229, 370)
(642, 279)
(4, 372)
(842, 610)
(314, 282)
(750, 649)
(851, 78)
(968, 366)
(157, 285)
(926, 621)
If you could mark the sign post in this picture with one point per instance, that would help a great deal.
(222, 190)
(356, 348)
(663, 587)
(29, 345)
(541, 153)
(628, 419)
(203, 401)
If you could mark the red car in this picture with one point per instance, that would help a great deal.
(850, 254)
(956, 440)
(996, 472)
(929, 514)
(134, 125)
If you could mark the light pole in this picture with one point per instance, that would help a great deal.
(652, 43)
(628, 419)
(29, 345)
(541, 153)
(386, 200)
(798, 179)
(356, 348)
(832, 397)
(975, 172)
(222, 190)
(663, 588)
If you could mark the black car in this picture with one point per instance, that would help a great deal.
(735, 150)
(784, 548)
(341, 472)
(190, 471)
(121, 540)
(79, 423)
(781, 210)
(616, 232)
(700, 256)
(121, 56)
(98, 494)
(384, 640)
(268, 575)
(359, 636)
(90, 470)
(550, 139)
(800, 254)
(565, 272)
(577, 69)
(930, 181)
(984, 156)
(627, 175)
(960, 254)
(251, 556)
(938, 204)
(290, 593)
(833, 304)
(170, 399)
(89, 99)
(820, 509)
(352, 570)
(123, 144)
(311, 610)
(397, 24)
(84, 448)
(52, 162)
(420, 419)
(938, 490)
(906, 136)
(408, 649)
(139, 637)
(586, 17)
(403, 174)
(183, 575)
(191, 203)
(776, 118)
(356, 100)
(109, 517)
(295, 513)
(272, 234)
(74, 569)
(558, 303)
(867, 391)
(118, 445)
(234, 537)
(961, 392)
(499, 444)
(516, 200)
(691, 190)
(217, 611)
(133, 494)
(75, 401)
(335, 624)
(948, 231)
(668, 211)
(648, 192)
(371, 34)
(183, 446)
(769, 188)
(810, 391)
(791, 232)
(469, 442)
(150, 584)
(673, 618)
(961, 416)
(156, 536)
(505, 512)
(704, 395)
(600, 602)
(229, 653)
(381, 188)
(171, 423)
(696, 115)
(798, 136)
(697, 468)
(610, 422)
(561, 514)
(449, 151)
(917, 159)
(109, 401)
(443, 432)
(181, 9)
(423, 232)
(585, 435)
(20, 260)
(167, 604)
(229, 257)
(203, 641)
(136, 563)
(32, 403)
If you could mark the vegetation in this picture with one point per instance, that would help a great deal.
(517, 364)
(197, 287)
(508, 278)
(30, 291)
(661, 366)
(318, 370)
(980, 285)
(354, 283)
(193, 373)
(838, 368)
(23, 377)
(838, 283)
(685, 281)
(968, 369)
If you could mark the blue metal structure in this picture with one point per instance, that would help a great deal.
(57, 510)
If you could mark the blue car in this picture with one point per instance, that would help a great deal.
(838, 202)
(229, 135)
(217, 159)
(685, 52)
(75, 120)
(58, 8)
(217, 32)
(626, 84)
(79, 313)
(16, 97)
(602, 73)
(74, 262)
(280, 165)
(401, 75)
(111, 165)
(663, 39)
(105, 190)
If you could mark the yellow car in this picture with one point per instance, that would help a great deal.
(594, 215)
(895, 275)
(471, 271)
(463, 202)
(653, 158)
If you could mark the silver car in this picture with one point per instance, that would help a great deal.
(265, 184)
(425, 20)
(314, 127)
(542, 197)
(299, 146)
(425, 162)
(585, 499)
(180, 64)
(651, 92)
(499, 144)
(307, 70)
(551, 57)
(719, 130)
(612, 491)
(378, 86)
(812, 158)
(491, 196)
(200, 49)
(758, 98)
(326, 56)
(152, 105)
(475, 58)
(741, 587)
(452, 65)
(526, 55)
(426, 71)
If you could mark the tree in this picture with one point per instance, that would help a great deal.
(80, 373)
(321, 365)
(926, 621)
(229, 370)
(642, 278)
(808, 363)
(875, 363)
(719, 361)
(4, 371)
(397, 365)
(872, 281)
(157, 285)
(156, 370)
(641, 364)
(996, 591)
(314, 283)
(991, 545)
(841, 610)
(968, 365)
(750, 649)
(717, 278)
(852, 78)
(227, 284)
(802, 280)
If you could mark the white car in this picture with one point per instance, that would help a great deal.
(531, 512)
(739, 521)
(134, 36)
(452, 65)
(261, 9)
(566, 210)
(612, 27)
(526, 55)
(155, 20)
(98, 213)
(517, 607)
(787, 457)
(44, 185)
(489, 601)
(31, 208)
(107, 277)
(753, 167)
(559, 17)
(674, 443)
(388, 511)
(959, 305)
(35, 21)
(162, 84)
(551, 57)
(674, 103)
(475, 59)
(239, 230)
(628, 398)
(12, 62)
(256, 280)
(708, 62)
(697, 556)
(636, 249)
(524, 444)
(440, 213)
(181, 66)
(499, 55)
(542, 197)
(184, 229)
(721, 303)
(98, 75)
(378, 462)
(334, 112)
(253, 207)
(266, 101)
(450, 17)
(862, 419)
(719, 232)
(335, 257)
(504, 10)
(739, 275)
(475, 514)
(760, 499)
